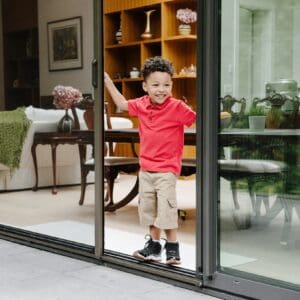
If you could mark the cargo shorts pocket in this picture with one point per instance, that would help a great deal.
(172, 202)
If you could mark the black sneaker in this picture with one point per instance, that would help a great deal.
(172, 253)
(151, 251)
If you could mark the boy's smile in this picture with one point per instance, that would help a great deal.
(158, 85)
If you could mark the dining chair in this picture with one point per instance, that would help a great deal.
(236, 108)
(113, 166)
(252, 162)
(252, 171)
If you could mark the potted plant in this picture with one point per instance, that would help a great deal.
(257, 117)
(64, 97)
(186, 16)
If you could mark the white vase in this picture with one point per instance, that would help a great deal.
(184, 29)
(134, 73)
(257, 122)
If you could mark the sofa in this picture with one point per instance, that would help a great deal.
(67, 156)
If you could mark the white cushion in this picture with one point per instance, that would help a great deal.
(252, 165)
(117, 122)
(40, 114)
(53, 115)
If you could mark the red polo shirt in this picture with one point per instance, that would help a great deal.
(161, 130)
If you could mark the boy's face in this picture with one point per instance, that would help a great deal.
(158, 85)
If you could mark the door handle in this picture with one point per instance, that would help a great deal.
(95, 73)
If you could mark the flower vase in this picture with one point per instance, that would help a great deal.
(184, 29)
(66, 123)
(147, 34)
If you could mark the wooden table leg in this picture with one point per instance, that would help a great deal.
(33, 153)
(53, 152)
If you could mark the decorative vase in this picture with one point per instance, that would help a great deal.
(184, 29)
(119, 36)
(134, 73)
(66, 123)
(274, 117)
(147, 34)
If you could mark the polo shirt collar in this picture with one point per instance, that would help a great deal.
(157, 106)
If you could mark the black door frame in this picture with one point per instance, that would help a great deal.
(207, 278)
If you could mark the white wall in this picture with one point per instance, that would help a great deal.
(2, 104)
(52, 10)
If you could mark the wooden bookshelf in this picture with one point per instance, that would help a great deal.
(120, 58)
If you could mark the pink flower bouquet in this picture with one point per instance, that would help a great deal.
(65, 96)
(186, 15)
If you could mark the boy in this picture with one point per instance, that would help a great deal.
(161, 128)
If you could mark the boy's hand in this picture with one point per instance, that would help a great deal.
(106, 76)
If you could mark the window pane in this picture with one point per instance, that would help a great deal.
(259, 138)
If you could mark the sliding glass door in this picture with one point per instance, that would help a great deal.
(258, 149)
(122, 51)
(44, 204)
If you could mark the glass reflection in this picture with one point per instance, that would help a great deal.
(259, 163)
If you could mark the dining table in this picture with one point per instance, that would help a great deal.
(262, 141)
(128, 135)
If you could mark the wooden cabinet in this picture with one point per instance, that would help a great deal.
(120, 58)
(21, 65)
(20, 49)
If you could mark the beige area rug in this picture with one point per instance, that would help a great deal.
(29, 208)
(60, 216)
(124, 242)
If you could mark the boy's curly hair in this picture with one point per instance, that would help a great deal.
(157, 64)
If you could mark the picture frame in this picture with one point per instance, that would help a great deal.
(65, 44)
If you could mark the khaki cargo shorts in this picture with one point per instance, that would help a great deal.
(157, 199)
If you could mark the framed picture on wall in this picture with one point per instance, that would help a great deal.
(65, 44)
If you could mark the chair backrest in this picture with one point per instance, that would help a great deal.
(107, 112)
(88, 105)
(228, 102)
(237, 118)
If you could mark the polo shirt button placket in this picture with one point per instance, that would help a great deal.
(150, 116)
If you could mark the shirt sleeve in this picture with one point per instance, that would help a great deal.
(132, 107)
(187, 115)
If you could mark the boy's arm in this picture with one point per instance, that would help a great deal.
(117, 97)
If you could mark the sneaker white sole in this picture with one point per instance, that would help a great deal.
(137, 255)
(173, 262)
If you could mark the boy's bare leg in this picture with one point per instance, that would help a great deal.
(172, 247)
(154, 232)
(171, 235)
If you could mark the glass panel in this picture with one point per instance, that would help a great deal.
(259, 139)
(123, 231)
(48, 205)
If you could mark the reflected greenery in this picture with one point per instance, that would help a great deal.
(279, 148)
